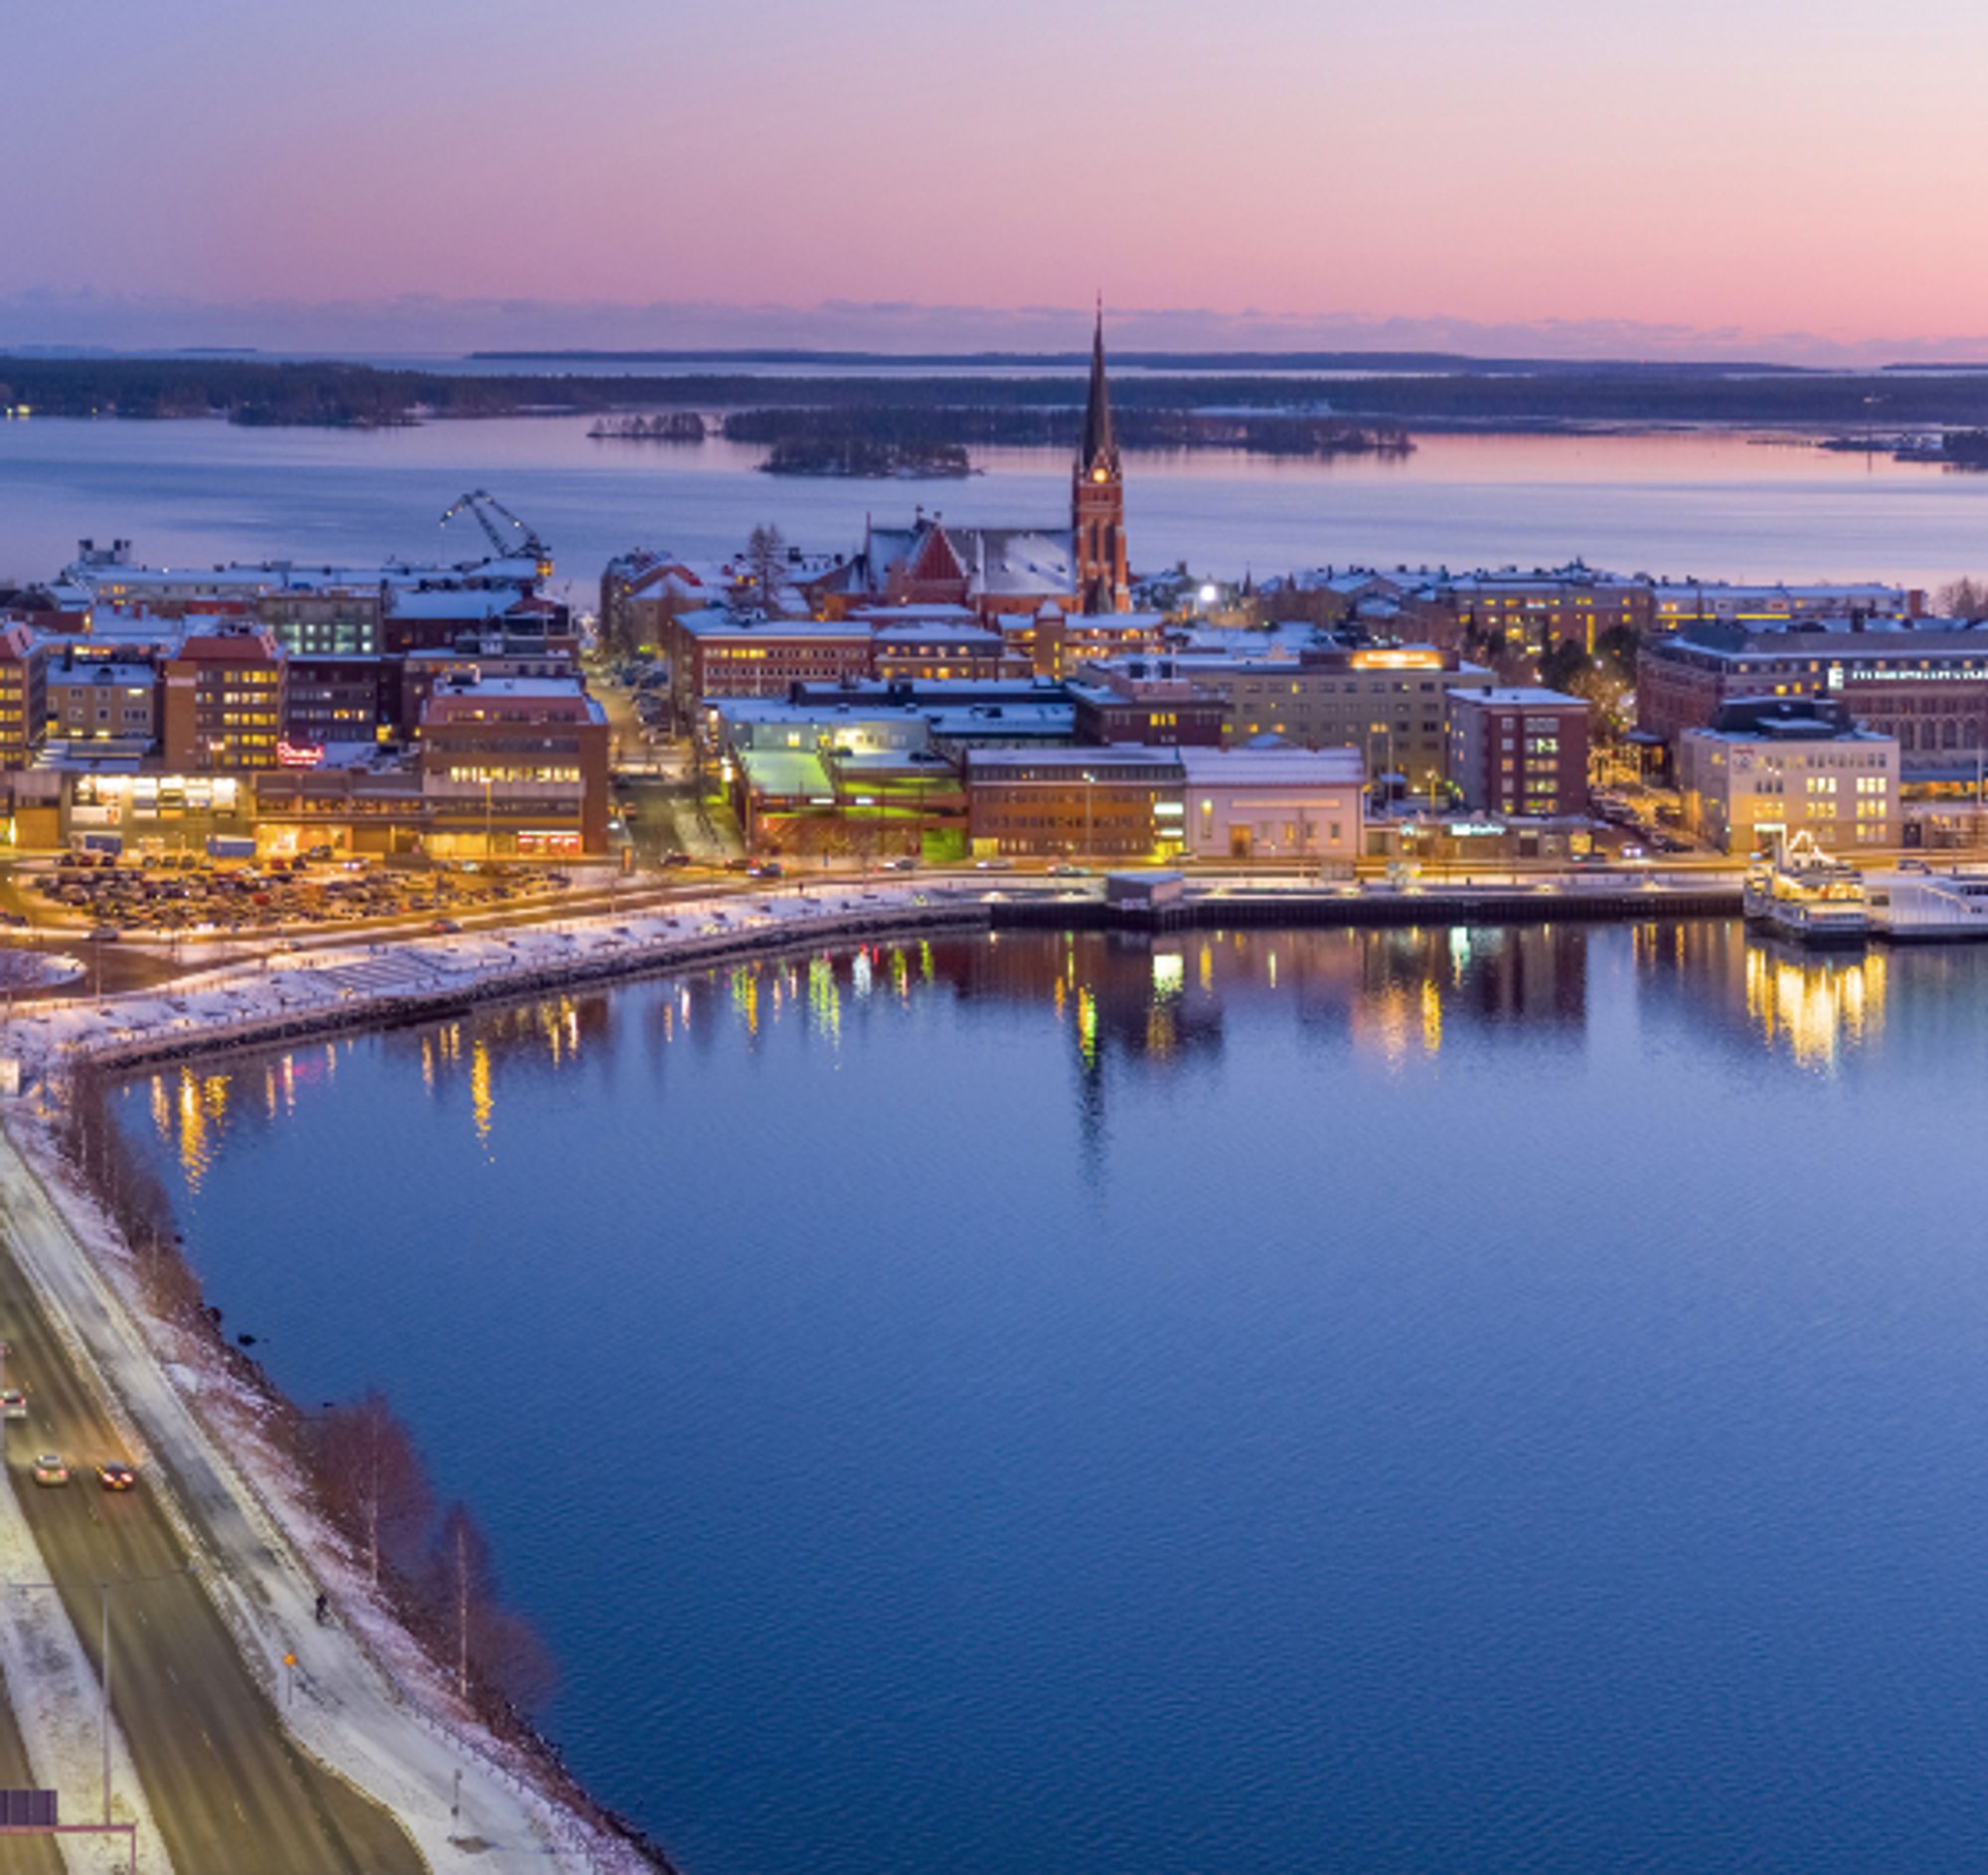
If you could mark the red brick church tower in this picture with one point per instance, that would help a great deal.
(1097, 499)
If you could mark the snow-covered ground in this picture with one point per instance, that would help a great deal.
(238, 999)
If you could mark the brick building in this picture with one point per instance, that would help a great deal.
(1926, 685)
(1086, 805)
(223, 702)
(1146, 702)
(715, 654)
(513, 764)
(1519, 752)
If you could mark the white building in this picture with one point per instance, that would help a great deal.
(1273, 803)
(1771, 768)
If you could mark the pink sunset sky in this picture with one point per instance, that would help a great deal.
(1753, 176)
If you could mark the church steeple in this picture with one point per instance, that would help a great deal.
(1100, 449)
(1097, 497)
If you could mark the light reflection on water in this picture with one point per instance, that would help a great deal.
(1408, 1399)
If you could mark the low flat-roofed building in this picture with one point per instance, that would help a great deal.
(1124, 802)
(1771, 768)
(1148, 701)
(1274, 803)
(937, 652)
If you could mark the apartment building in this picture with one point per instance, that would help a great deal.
(1519, 752)
(223, 702)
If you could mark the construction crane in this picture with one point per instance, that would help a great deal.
(480, 504)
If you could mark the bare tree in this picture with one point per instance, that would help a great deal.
(488, 1645)
(766, 564)
(1962, 598)
(373, 1480)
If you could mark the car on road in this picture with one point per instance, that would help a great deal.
(772, 869)
(115, 1475)
(13, 1404)
(678, 859)
(737, 865)
(50, 1469)
(901, 865)
(1070, 872)
(443, 927)
(994, 865)
(1913, 866)
(106, 934)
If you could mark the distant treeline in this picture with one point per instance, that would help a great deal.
(1153, 411)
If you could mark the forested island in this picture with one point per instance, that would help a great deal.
(864, 457)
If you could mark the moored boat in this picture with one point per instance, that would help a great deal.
(1804, 893)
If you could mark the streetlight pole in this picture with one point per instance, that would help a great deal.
(103, 1691)
(1088, 779)
(103, 1586)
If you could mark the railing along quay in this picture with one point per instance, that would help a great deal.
(1328, 909)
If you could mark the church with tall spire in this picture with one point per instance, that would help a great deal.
(1097, 497)
(1006, 570)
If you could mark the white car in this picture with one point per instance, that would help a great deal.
(13, 1404)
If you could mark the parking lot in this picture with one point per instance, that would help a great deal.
(174, 895)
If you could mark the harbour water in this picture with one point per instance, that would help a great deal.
(1700, 505)
(1409, 1400)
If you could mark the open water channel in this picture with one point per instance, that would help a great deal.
(1403, 1400)
(1706, 505)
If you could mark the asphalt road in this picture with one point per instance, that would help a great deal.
(228, 1788)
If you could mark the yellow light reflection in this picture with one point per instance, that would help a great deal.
(1432, 1017)
(1815, 1008)
(482, 1103)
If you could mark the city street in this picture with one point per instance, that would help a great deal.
(230, 1789)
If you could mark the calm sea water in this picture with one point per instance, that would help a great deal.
(1700, 506)
(1396, 1401)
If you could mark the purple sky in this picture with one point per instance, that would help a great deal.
(1693, 177)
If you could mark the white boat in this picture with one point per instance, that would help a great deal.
(1808, 895)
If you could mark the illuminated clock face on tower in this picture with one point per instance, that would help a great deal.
(1097, 475)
